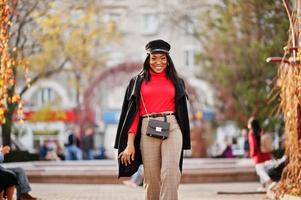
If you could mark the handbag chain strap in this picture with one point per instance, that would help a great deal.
(165, 118)
(144, 106)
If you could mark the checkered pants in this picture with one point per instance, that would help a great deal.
(161, 162)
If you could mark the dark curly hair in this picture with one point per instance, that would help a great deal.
(254, 124)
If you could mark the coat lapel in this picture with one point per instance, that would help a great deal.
(135, 89)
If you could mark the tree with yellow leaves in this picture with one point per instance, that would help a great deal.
(51, 39)
(9, 100)
(81, 38)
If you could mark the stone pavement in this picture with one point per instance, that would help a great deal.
(205, 191)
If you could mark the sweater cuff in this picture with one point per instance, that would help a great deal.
(134, 126)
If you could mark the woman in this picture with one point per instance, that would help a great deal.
(259, 158)
(157, 92)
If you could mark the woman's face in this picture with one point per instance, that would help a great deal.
(158, 62)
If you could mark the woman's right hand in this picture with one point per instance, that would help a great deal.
(128, 155)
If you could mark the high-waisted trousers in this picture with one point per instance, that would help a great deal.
(161, 160)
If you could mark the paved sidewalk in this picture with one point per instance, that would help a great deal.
(121, 192)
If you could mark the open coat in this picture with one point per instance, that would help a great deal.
(129, 110)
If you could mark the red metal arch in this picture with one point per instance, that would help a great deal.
(126, 68)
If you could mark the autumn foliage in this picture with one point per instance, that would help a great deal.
(8, 63)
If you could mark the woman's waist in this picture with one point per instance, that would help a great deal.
(261, 157)
(167, 116)
(156, 110)
(158, 114)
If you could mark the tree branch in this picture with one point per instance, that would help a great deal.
(23, 22)
(43, 75)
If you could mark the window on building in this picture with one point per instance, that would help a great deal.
(45, 96)
(189, 26)
(150, 23)
(115, 56)
(189, 58)
(113, 19)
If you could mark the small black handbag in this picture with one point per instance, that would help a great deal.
(156, 128)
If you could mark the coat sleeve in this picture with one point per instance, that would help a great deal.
(122, 116)
(183, 117)
(134, 126)
(184, 87)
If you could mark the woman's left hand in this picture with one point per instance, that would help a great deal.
(128, 155)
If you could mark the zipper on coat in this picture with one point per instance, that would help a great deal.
(127, 113)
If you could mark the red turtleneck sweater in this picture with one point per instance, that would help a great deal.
(158, 95)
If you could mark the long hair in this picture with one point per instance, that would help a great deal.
(256, 129)
(170, 69)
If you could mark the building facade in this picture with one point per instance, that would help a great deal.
(137, 22)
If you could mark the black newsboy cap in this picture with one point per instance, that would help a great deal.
(157, 46)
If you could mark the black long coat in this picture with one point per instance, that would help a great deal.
(130, 108)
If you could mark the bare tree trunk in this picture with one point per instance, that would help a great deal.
(7, 126)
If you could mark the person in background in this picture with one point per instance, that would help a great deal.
(48, 151)
(23, 187)
(136, 179)
(43, 150)
(224, 150)
(52, 150)
(60, 150)
(72, 150)
(246, 146)
(258, 157)
(228, 152)
(88, 143)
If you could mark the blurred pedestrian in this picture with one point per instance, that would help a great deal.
(246, 146)
(155, 96)
(60, 150)
(224, 150)
(22, 183)
(72, 150)
(136, 179)
(43, 150)
(228, 152)
(259, 158)
(88, 143)
(48, 151)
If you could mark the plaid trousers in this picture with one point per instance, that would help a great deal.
(161, 162)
